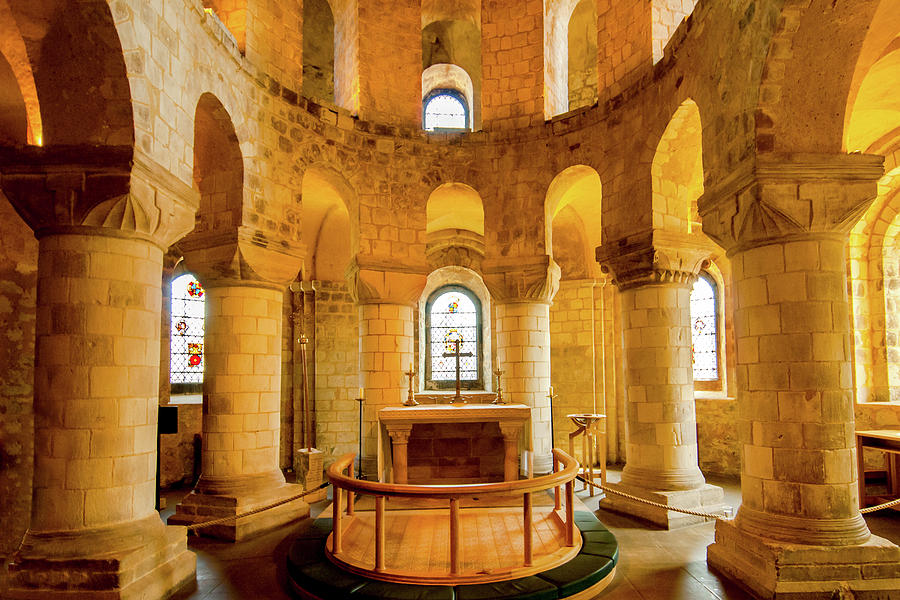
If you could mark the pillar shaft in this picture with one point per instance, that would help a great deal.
(661, 425)
(523, 353)
(386, 352)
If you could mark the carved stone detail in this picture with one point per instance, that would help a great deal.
(374, 282)
(57, 188)
(657, 257)
(781, 196)
(522, 278)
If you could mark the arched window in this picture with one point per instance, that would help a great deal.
(453, 313)
(445, 109)
(186, 374)
(705, 329)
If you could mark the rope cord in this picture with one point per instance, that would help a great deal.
(695, 513)
(194, 527)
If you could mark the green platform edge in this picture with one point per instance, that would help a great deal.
(310, 571)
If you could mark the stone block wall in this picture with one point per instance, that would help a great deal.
(667, 16)
(455, 453)
(18, 289)
(177, 450)
(718, 444)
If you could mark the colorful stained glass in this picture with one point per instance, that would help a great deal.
(453, 316)
(188, 308)
(704, 334)
(194, 289)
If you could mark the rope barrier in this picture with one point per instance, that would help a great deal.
(695, 513)
(194, 527)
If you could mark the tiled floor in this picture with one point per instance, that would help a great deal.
(653, 564)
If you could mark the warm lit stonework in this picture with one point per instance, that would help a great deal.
(682, 215)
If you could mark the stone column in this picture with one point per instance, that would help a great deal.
(386, 328)
(785, 223)
(94, 531)
(241, 389)
(661, 427)
(523, 289)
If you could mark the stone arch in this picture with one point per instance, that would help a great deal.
(812, 69)
(677, 171)
(451, 35)
(582, 55)
(557, 14)
(454, 206)
(76, 47)
(20, 111)
(472, 281)
(218, 168)
(330, 223)
(574, 196)
(318, 50)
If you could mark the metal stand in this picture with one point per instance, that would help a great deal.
(359, 471)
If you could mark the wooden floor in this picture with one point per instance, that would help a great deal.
(417, 545)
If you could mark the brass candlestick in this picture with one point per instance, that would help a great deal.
(410, 401)
(499, 398)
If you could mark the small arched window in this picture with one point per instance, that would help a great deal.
(188, 312)
(705, 329)
(445, 109)
(453, 313)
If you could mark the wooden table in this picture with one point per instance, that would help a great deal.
(399, 420)
(888, 441)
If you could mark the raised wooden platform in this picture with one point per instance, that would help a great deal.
(312, 576)
(491, 545)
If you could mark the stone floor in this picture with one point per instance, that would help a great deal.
(653, 564)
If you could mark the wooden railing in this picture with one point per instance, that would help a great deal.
(565, 469)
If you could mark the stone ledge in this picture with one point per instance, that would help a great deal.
(708, 498)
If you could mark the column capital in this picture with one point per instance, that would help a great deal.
(242, 256)
(655, 257)
(776, 197)
(112, 190)
(522, 278)
(372, 281)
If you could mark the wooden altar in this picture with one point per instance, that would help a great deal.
(398, 423)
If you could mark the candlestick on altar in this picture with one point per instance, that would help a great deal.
(410, 401)
(499, 398)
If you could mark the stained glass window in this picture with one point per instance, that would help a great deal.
(187, 330)
(453, 315)
(445, 109)
(704, 330)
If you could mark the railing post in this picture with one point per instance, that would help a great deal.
(337, 533)
(379, 533)
(570, 514)
(556, 499)
(584, 455)
(454, 536)
(350, 495)
(529, 556)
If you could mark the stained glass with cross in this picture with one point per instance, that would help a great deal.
(453, 315)
(187, 330)
(704, 330)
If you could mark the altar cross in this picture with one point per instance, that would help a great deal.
(457, 354)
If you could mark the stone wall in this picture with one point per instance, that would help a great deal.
(18, 282)
(718, 445)
(177, 465)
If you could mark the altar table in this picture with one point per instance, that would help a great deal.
(888, 441)
(399, 421)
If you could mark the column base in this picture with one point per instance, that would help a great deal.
(198, 507)
(706, 498)
(130, 561)
(780, 570)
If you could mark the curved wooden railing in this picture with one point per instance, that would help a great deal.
(565, 469)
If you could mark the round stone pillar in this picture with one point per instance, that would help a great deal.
(242, 406)
(799, 526)
(94, 531)
(661, 465)
(523, 354)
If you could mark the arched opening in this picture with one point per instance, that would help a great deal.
(454, 206)
(188, 316)
(233, 15)
(218, 168)
(318, 50)
(582, 37)
(451, 37)
(705, 329)
(572, 210)
(17, 88)
(666, 16)
(453, 316)
(447, 80)
(445, 109)
(677, 172)
(326, 225)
